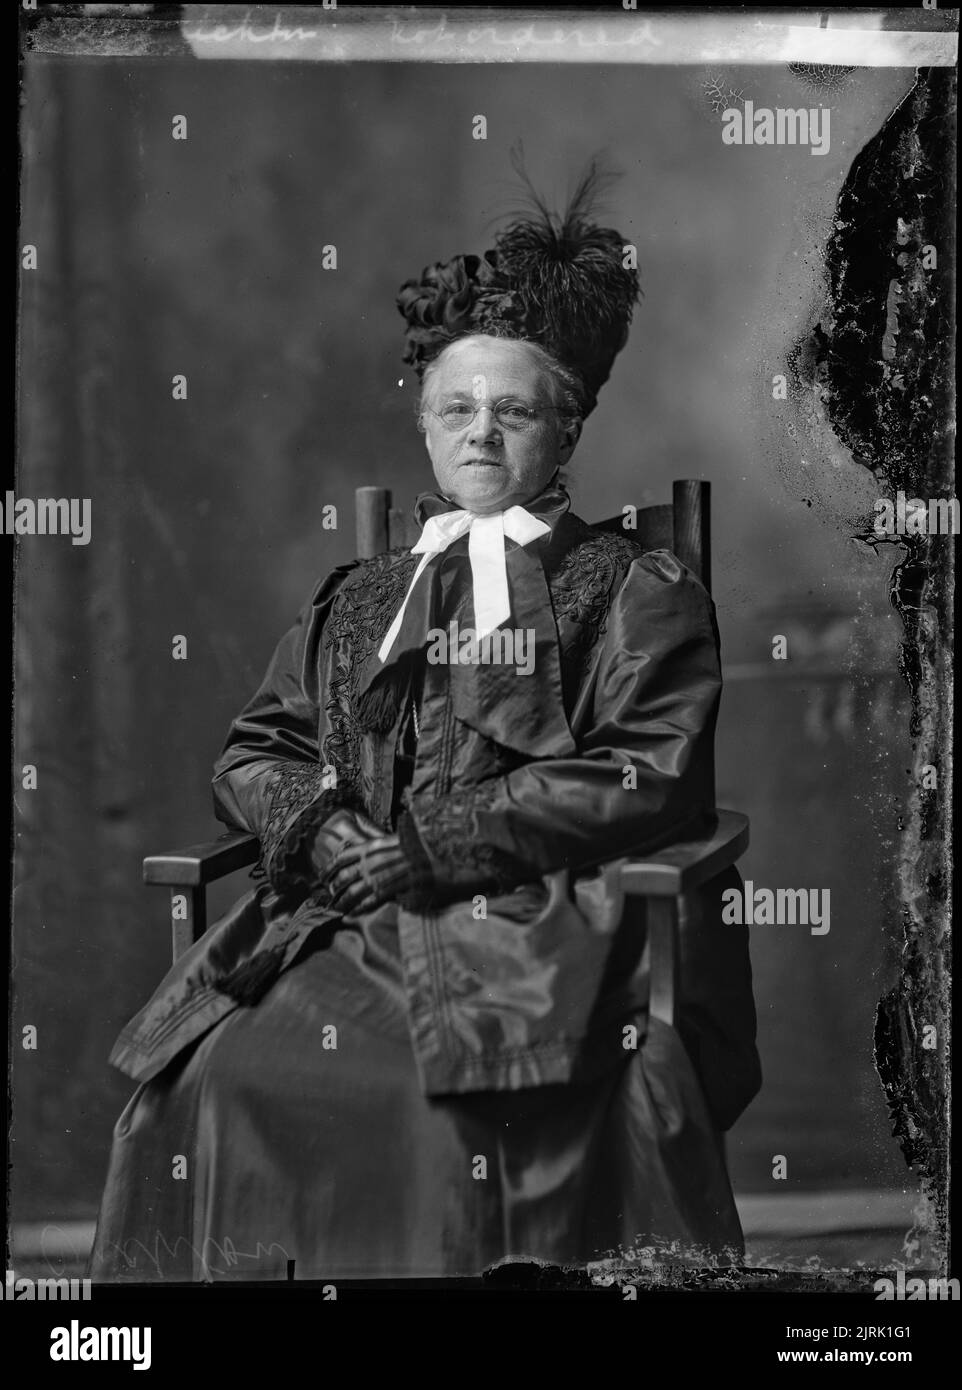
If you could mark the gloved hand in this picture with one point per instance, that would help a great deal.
(365, 874)
(340, 831)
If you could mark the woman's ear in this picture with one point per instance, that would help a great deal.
(570, 435)
(427, 439)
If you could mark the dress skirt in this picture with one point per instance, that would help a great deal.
(294, 1140)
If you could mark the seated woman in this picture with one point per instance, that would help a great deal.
(414, 1049)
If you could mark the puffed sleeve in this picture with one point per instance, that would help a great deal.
(269, 778)
(643, 773)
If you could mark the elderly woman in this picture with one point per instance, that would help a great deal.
(414, 1049)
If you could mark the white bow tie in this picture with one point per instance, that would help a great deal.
(489, 574)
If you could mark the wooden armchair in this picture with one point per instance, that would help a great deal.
(681, 526)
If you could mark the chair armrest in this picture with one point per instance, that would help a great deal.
(681, 867)
(664, 878)
(200, 864)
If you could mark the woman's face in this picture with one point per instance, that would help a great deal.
(485, 465)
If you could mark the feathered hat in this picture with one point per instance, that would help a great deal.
(556, 280)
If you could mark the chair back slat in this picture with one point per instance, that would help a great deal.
(682, 526)
(653, 528)
(691, 504)
(402, 528)
(371, 508)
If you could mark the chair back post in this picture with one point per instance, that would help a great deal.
(372, 507)
(691, 503)
(691, 509)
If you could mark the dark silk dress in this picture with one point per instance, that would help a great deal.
(468, 1075)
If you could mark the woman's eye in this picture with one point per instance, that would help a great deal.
(515, 412)
(457, 412)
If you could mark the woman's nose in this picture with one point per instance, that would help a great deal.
(484, 426)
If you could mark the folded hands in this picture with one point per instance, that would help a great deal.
(357, 866)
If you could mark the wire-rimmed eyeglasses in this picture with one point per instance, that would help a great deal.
(510, 414)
